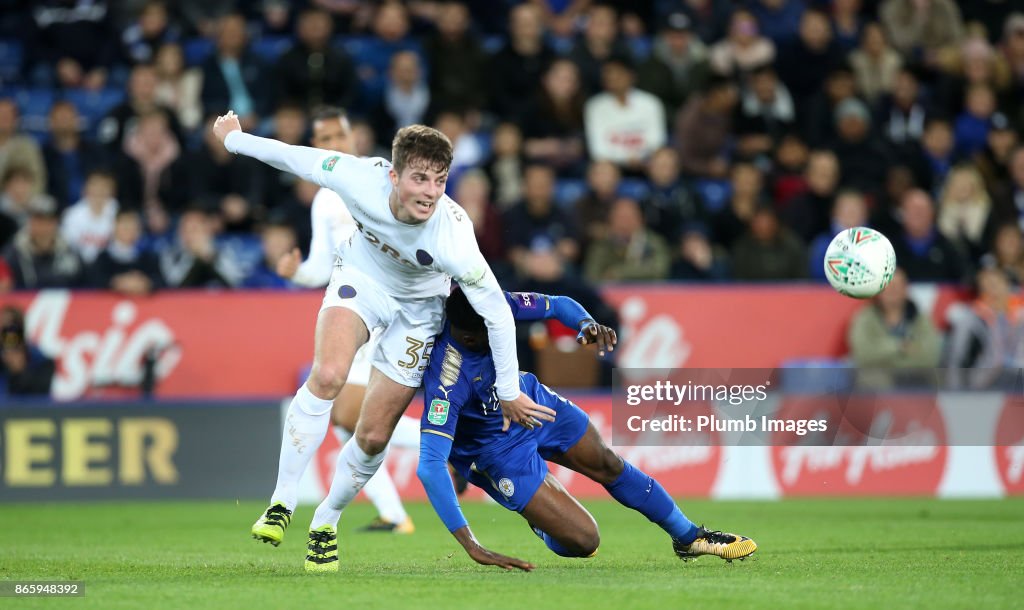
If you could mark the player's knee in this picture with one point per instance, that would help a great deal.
(586, 542)
(611, 465)
(326, 380)
(372, 441)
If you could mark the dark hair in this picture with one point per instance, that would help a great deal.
(421, 144)
(461, 314)
(326, 113)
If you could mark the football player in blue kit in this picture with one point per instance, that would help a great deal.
(462, 424)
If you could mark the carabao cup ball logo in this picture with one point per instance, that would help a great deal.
(859, 262)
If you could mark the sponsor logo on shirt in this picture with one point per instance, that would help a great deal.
(330, 162)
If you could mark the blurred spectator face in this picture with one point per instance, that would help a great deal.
(616, 78)
(127, 228)
(895, 294)
(898, 181)
(63, 120)
(853, 128)
(507, 141)
(840, 85)
(405, 70)
(1002, 142)
(846, 7)
(964, 185)
(277, 241)
(453, 20)
(603, 178)
(391, 23)
(562, 80)
(526, 24)
(905, 88)
(1013, 35)
(314, 29)
(231, 35)
(938, 139)
(977, 58)
(993, 287)
(142, 84)
(625, 219)
(362, 139)
(850, 211)
(742, 28)
(18, 186)
(792, 153)
(234, 209)
(746, 181)
(763, 84)
(42, 232)
(170, 61)
(195, 231)
(451, 125)
(723, 97)
(290, 124)
(602, 25)
(678, 41)
(822, 173)
(764, 225)
(474, 194)
(538, 188)
(918, 214)
(8, 117)
(153, 20)
(1017, 168)
(152, 131)
(1008, 244)
(815, 30)
(663, 168)
(98, 188)
(981, 101)
(872, 39)
(335, 134)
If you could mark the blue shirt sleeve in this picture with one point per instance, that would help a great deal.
(433, 473)
(535, 306)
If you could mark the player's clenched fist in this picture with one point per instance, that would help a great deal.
(225, 124)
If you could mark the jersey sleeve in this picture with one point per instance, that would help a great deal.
(528, 306)
(433, 474)
(316, 270)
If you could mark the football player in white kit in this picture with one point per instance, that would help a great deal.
(333, 225)
(394, 275)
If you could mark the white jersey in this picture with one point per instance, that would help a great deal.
(332, 226)
(409, 261)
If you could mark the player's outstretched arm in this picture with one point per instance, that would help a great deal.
(487, 557)
(537, 306)
(299, 160)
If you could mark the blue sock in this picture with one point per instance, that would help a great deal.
(639, 491)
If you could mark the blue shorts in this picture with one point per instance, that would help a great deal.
(513, 474)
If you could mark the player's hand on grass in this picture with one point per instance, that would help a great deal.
(525, 412)
(603, 336)
(490, 558)
(288, 265)
(225, 124)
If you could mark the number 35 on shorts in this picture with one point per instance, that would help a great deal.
(418, 354)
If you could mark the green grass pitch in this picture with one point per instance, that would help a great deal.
(813, 554)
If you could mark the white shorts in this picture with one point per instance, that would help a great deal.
(402, 331)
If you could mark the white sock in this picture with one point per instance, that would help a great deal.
(342, 434)
(380, 489)
(354, 468)
(305, 426)
(407, 433)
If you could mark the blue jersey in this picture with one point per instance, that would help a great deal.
(462, 417)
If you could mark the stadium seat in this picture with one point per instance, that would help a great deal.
(94, 105)
(34, 104)
(816, 375)
(714, 193)
(634, 188)
(492, 44)
(196, 50)
(11, 55)
(270, 48)
(568, 190)
(640, 47)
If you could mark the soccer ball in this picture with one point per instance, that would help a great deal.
(859, 262)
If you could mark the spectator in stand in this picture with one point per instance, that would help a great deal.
(178, 86)
(536, 225)
(970, 131)
(235, 78)
(39, 257)
(709, 19)
(194, 261)
(124, 266)
(703, 130)
(743, 50)
(850, 210)
(670, 205)
(17, 148)
(678, 65)
(24, 369)
(159, 169)
(142, 100)
(747, 195)
(474, 195)
(289, 125)
(88, 225)
(936, 154)
(964, 210)
(518, 67)
(313, 72)
(847, 23)
(152, 29)
(805, 62)
(1012, 49)
(406, 96)
(875, 64)
(788, 171)
(213, 173)
(598, 44)
(885, 216)
(819, 115)
(769, 250)
(766, 112)
(72, 43)
(975, 63)
(277, 238)
(863, 158)
(902, 115)
(808, 213)
(6, 278)
(467, 152)
(630, 251)
(69, 158)
(591, 210)
(779, 20)
(460, 85)
(993, 161)
(986, 339)
(505, 168)
(924, 252)
(1009, 204)
(893, 339)
(16, 195)
(700, 260)
(921, 29)
(553, 121)
(623, 124)
(1007, 253)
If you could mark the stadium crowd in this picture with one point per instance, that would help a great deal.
(595, 141)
